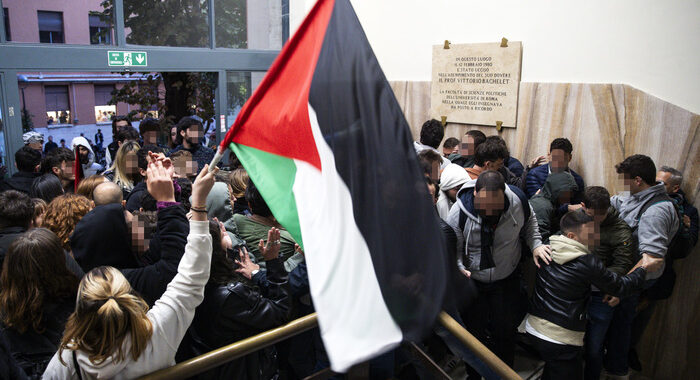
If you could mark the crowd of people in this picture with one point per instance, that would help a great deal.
(599, 263)
(116, 271)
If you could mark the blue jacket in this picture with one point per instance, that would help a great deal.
(515, 166)
(536, 177)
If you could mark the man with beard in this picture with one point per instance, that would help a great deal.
(189, 136)
(87, 156)
(59, 162)
(489, 219)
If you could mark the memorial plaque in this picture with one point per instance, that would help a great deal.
(476, 83)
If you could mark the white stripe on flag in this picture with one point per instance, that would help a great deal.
(354, 320)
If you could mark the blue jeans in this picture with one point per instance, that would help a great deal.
(599, 317)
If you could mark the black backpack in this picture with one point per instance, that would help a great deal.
(679, 247)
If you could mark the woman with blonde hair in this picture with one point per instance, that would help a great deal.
(124, 170)
(63, 213)
(236, 188)
(111, 333)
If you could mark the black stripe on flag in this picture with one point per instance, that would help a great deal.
(370, 138)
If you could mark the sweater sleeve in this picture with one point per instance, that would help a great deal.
(174, 311)
(656, 228)
(531, 230)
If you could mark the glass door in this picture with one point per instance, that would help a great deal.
(3, 125)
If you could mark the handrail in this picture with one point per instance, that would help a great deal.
(244, 347)
(235, 350)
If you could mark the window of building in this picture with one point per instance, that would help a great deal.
(6, 17)
(57, 106)
(50, 27)
(103, 110)
(100, 30)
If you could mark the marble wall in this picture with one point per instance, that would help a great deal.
(606, 123)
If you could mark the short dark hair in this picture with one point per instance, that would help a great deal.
(561, 143)
(128, 133)
(489, 150)
(572, 221)
(54, 159)
(638, 165)
(258, 206)
(46, 187)
(431, 133)
(676, 177)
(27, 159)
(426, 159)
(149, 124)
(184, 124)
(596, 197)
(142, 155)
(476, 135)
(490, 180)
(117, 119)
(16, 209)
(450, 143)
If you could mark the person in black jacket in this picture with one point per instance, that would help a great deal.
(557, 320)
(27, 161)
(238, 305)
(37, 294)
(135, 197)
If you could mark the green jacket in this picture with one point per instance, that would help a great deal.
(545, 203)
(616, 249)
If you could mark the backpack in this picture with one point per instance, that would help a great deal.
(680, 245)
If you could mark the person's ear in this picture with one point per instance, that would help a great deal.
(56, 171)
(675, 188)
(37, 168)
(142, 172)
(92, 205)
(183, 133)
(571, 235)
(568, 157)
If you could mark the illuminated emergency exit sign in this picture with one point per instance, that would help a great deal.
(127, 58)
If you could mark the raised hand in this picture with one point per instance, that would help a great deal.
(159, 183)
(245, 265)
(271, 249)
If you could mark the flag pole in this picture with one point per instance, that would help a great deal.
(477, 347)
(217, 158)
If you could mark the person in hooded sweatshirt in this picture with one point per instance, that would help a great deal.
(489, 219)
(451, 180)
(27, 161)
(219, 208)
(112, 333)
(87, 156)
(556, 322)
(557, 190)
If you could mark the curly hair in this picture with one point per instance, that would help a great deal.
(63, 214)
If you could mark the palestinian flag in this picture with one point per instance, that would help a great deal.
(325, 141)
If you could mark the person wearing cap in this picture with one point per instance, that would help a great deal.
(34, 140)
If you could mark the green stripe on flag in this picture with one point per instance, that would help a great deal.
(274, 176)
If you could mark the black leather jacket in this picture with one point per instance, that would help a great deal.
(562, 292)
(236, 311)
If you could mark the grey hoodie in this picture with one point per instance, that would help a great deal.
(91, 168)
(655, 228)
(506, 247)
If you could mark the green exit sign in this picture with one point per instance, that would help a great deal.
(127, 58)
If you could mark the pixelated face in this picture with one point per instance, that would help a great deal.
(447, 151)
(67, 173)
(494, 165)
(565, 197)
(131, 163)
(597, 215)
(435, 171)
(489, 202)
(589, 235)
(150, 137)
(186, 167)
(559, 160)
(466, 146)
(140, 239)
(194, 133)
